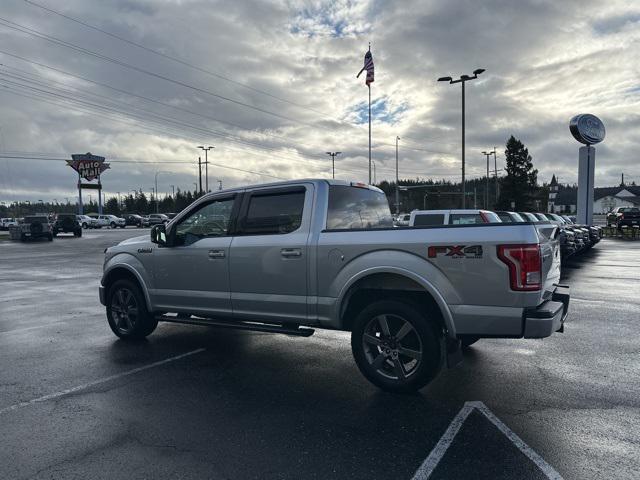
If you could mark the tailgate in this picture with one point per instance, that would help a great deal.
(550, 250)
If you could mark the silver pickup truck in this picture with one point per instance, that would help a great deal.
(288, 256)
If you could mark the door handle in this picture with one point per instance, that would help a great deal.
(216, 254)
(291, 252)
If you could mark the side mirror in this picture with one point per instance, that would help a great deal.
(159, 234)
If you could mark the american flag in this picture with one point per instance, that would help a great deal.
(368, 66)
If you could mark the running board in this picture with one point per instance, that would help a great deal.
(239, 325)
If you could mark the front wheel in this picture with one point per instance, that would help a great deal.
(127, 311)
(84, 225)
(396, 347)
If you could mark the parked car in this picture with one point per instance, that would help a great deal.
(452, 217)
(5, 223)
(108, 221)
(36, 226)
(624, 216)
(287, 256)
(87, 222)
(155, 219)
(403, 220)
(67, 223)
(132, 219)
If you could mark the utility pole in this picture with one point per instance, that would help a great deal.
(397, 190)
(486, 193)
(463, 79)
(333, 162)
(495, 170)
(373, 162)
(173, 191)
(206, 166)
(199, 175)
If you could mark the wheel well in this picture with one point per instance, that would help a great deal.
(384, 286)
(120, 274)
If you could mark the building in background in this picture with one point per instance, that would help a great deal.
(563, 198)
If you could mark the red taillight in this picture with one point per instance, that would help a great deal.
(525, 266)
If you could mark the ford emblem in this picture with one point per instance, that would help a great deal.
(587, 129)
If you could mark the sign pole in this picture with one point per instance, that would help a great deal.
(80, 209)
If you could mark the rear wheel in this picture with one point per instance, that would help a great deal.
(78, 233)
(113, 224)
(84, 225)
(127, 311)
(395, 346)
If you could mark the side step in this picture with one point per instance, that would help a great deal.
(238, 325)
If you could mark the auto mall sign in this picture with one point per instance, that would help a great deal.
(88, 166)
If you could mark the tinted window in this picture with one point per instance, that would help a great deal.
(465, 218)
(353, 207)
(210, 220)
(517, 217)
(428, 219)
(274, 213)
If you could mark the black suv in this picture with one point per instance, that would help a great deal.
(67, 223)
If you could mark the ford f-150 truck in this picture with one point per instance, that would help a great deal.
(291, 256)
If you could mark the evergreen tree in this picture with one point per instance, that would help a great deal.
(520, 183)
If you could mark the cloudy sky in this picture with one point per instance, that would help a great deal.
(272, 86)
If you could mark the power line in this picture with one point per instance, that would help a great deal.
(174, 59)
(72, 46)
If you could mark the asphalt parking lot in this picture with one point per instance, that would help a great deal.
(192, 402)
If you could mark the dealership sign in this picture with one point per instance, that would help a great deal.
(87, 165)
(587, 129)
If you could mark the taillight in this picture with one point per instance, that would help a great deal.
(525, 266)
(622, 216)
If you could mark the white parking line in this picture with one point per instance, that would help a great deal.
(93, 383)
(431, 462)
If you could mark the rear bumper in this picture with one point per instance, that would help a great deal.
(548, 317)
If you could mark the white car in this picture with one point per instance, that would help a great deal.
(5, 223)
(421, 218)
(86, 221)
(109, 221)
(403, 220)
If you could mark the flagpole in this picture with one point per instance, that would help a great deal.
(369, 134)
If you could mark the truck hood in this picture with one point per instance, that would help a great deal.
(140, 239)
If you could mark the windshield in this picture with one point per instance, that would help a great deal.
(353, 208)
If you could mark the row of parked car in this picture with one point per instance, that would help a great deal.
(127, 220)
(50, 225)
(574, 238)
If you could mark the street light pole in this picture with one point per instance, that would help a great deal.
(206, 166)
(397, 191)
(333, 162)
(373, 162)
(463, 79)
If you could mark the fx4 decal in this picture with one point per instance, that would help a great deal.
(145, 250)
(455, 251)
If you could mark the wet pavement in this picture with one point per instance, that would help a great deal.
(193, 402)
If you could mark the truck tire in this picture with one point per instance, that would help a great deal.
(78, 233)
(396, 347)
(127, 311)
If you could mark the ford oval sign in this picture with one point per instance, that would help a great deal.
(587, 129)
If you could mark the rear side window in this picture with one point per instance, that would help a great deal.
(273, 213)
(505, 217)
(352, 208)
(491, 217)
(465, 218)
(428, 219)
